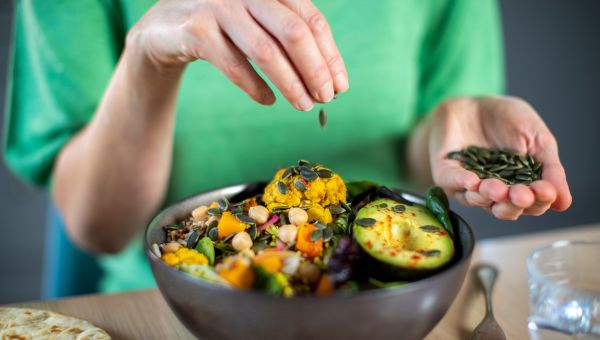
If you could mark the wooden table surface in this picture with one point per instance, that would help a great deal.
(145, 315)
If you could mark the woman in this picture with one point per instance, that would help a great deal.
(110, 110)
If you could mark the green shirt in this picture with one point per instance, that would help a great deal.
(402, 56)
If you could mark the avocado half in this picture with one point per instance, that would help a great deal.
(401, 242)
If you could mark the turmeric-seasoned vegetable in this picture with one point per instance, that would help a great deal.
(229, 224)
(239, 273)
(305, 244)
(308, 187)
(184, 256)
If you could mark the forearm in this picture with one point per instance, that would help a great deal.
(111, 177)
(419, 168)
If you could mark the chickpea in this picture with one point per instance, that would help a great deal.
(309, 272)
(200, 213)
(259, 214)
(297, 216)
(247, 253)
(287, 233)
(171, 247)
(241, 241)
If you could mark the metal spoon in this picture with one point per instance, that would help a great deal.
(488, 328)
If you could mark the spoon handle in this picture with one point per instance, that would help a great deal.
(487, 275)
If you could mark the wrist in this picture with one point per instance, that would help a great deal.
(143, 64)
(419, 165)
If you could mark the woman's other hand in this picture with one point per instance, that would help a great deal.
(500, 122)
(289, 40)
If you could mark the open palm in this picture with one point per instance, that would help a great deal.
(499, 122)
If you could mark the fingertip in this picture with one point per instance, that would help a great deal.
(563, 202)
(521, 196)
(470, 181)
(555, 174)
(267, 98)
(494, 189)
(340, 82)
(506, 211)
(544, 191)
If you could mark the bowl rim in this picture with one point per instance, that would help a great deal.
(367, 294)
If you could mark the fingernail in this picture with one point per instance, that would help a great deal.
(305, 103)
(326, 92)
(341, 82)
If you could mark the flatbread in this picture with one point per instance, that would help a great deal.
(25, 324)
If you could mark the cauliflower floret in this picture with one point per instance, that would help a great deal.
(184, 256)
(319, 193)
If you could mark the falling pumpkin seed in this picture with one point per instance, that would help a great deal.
(322, 118)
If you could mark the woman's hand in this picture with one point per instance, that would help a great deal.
(500, 122)
(289, 40)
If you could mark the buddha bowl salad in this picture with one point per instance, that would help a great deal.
(308, 232)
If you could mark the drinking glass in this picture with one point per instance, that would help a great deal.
(564, 291)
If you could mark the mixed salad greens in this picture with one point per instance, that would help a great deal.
(309, 232)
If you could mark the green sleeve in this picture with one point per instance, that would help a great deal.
(62, 57)
(462, 52)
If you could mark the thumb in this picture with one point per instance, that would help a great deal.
(453, 178)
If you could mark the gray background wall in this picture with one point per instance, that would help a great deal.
(552, 55)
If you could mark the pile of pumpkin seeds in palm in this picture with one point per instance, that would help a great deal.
(505, 165)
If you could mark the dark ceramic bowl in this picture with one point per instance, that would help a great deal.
(212, 312)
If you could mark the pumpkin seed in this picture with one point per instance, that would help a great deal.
(399, 208)
(214, 211)
(299, 185)
(336, 210)
(245, 219)
(455, 155)
(193, 239)
(523, 178)
(237, 210)
(316, 235)
(365, 222)
(523, 160)
(319, 225)
(259, 245)
(283, 220)
(213, 234)
(252, 231)
(506, 165)
(213, 224)
(308, 174)
(322, 118)
(302, 162)
(281, 208)
(429, 228)
(287, 173)
(229, 237)
(497, 168)
(156, 250)
(170, 227)
(282, 188)
(325, 173)
(223, 204)
(432, 253)
(327, 234)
